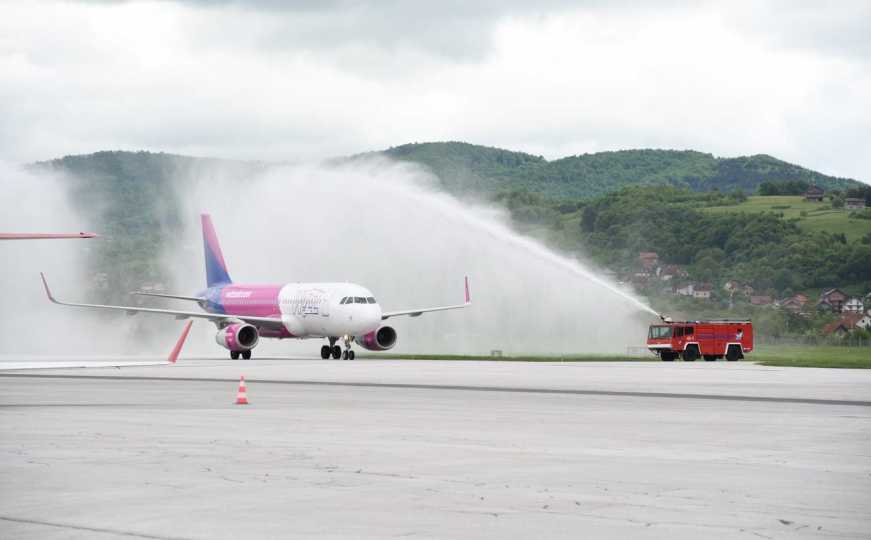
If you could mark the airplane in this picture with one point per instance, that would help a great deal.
(244, 313)
(45, 236)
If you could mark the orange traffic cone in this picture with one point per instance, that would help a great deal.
(241, 396)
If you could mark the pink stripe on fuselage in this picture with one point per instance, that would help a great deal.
(253, 300)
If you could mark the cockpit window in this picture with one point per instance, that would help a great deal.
(370, 300)
(359, 300)
(344, 300)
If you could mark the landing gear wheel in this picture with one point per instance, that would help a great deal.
(337, 352)
(246, 355)
(344, 355)
(234, 355)
(351, 355)
(325, 352)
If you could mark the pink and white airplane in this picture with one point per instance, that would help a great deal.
(245, 313)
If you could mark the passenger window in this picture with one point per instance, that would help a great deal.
(689, 330)
(370, 300)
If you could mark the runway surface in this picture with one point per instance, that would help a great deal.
(427, 449)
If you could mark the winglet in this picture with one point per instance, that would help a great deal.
(173, 356)
(47, 290)
(468, 292)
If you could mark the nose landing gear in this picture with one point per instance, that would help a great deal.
(348, 354)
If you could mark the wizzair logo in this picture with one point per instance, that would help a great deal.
(238, 294)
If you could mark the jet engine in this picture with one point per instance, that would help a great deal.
(238, 337)
(378, 340)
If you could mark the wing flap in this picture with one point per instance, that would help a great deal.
(174, 296)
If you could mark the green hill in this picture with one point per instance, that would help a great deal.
(588, 204)
(809, 216)
(463, 166)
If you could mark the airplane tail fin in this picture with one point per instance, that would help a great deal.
(216, 268)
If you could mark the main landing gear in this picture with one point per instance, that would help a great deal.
(246, 355)
(336, 352)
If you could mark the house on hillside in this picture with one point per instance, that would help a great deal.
(761, 300)
(648, 259)
(844, 325)
(864, 322)
(735, 287)
(703, 291)
(794, 303)
(854, 305)
(832, 300)
(671, 271)
(852, 203)
(686, 290)
(814, 194)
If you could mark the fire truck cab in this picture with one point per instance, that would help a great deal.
(691, 340)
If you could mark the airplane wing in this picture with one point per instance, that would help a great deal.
(419, 312)
(265, 322)
(45, 236)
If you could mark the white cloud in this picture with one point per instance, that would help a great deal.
(268, 81)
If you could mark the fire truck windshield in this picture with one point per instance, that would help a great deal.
(659, 332)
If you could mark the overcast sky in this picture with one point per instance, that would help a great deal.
(279, 80)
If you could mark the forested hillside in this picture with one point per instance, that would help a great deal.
(690, 208)
(467, 166)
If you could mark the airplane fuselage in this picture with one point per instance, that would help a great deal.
(307, 310)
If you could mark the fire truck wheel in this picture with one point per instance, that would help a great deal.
(690, 354)
(733, 354)
(667, 356)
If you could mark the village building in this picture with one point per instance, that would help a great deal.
(703, 291)
(731, 286)
(844, 325)
(814, 194)
(686, 290)
(670, 271)
(854, 305)
(794, 303)
(851, 203)
(832, 300)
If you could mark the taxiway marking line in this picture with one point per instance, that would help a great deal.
(86, 528)
(509, 389)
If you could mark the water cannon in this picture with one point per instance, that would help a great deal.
(666, 319)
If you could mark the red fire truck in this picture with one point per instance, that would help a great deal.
(692, 340)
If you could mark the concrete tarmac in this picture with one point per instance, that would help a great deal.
(387, 448)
